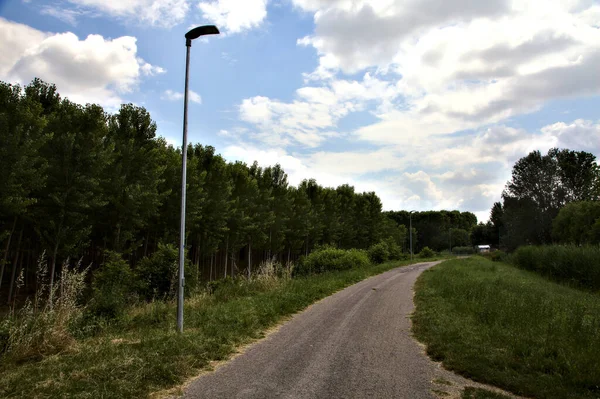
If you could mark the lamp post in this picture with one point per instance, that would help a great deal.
(410, 233)
(191, 35)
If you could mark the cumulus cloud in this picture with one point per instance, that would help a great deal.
(171, 95)
(442, 80)
(164, 13)
(457, 65)
(95, 69)
(313, 117)
(234, 15)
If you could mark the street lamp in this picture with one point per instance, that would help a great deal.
(410, 233)
(191, 35)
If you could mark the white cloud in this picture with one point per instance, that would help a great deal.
(234, 16)
(165, 13)
(95, 70)
(171, 95)
(457, 65)
(313, 117)
(453, 172)
(66, 15)
(580, 134)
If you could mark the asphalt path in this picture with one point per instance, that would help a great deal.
(356, 343)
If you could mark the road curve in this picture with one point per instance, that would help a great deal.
(354, 344)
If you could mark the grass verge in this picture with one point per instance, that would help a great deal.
(143, 354)
(510, 328)
(478, 393)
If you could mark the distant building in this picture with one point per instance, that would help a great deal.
(483, 248)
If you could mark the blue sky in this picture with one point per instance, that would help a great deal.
(428, 103)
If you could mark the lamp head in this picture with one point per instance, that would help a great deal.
(200, 31)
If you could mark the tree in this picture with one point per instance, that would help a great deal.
(539, 187)
(576, 223)
(22, 134)
(131, 186)
(77, 158)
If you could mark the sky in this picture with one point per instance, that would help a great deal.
(426, 102)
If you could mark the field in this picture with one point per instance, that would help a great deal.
(511, 328)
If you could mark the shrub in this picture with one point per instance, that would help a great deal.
(114, 286)
(426, 252)
(329, 259)
(575, 265)
(158, 273)
(379, 253)
(395, 250)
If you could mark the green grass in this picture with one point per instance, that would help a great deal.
(510, 328)
(478, 393)
(143, 354)
(570, 264)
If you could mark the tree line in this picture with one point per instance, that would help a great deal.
(77, 182)
(552, 198)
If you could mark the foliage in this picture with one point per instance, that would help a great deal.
(511, 328)
(578, 223)
(158, 273)
(437, 230)
(540, 187)
(326, 259)
(379, 253)
(463, 250)
(570, 264)
(426, 252)
(114, 286)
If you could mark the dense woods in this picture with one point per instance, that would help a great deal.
(81, 184)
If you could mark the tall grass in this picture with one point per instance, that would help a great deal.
(571, 264)
(511, 328)
(44, 326)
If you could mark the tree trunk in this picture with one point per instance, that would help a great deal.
(289, 253)
(226, 254)
(146, 244)
(249, 259)
(211, 267)
(117, 246)
(14, 270)
(5, 256)
(52, 269)
(270, 242)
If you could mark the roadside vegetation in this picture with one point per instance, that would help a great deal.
(577, 266)
(511, 328)
(57, 352)
(478, 393)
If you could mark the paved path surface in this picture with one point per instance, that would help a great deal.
(354, 344)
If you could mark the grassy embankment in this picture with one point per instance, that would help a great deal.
(143, 354)
(511, 328)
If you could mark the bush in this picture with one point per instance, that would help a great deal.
(426, 252)
(463, 250)
(379, 253)
(395, 250)
(158, 274)
(328, 259)
(575, 265)
(114, 286)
